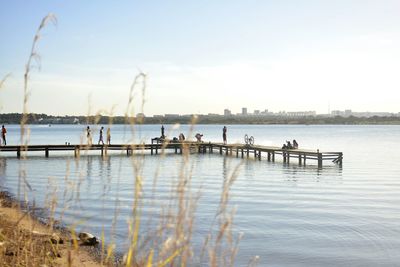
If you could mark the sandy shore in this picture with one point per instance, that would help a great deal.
(24, 241)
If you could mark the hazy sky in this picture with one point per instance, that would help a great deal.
(204, 56)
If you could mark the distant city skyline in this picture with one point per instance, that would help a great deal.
(201, 57)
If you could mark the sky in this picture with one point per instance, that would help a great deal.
(202, 56)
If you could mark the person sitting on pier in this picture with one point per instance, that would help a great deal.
(198, 137)
(181, 137)
(284, 146)
(289, 145)
(295, 144)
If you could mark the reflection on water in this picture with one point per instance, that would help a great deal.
(289, 214)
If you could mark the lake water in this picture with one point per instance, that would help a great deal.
(289, 215)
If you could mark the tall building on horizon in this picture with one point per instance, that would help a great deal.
(244, 111)
(227, 112)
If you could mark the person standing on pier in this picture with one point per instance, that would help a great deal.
(162, 132)
(224, 135)
(3, 134)
(108, 136)
(88, 136)
(101, 136)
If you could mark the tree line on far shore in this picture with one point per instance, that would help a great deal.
(33, 118)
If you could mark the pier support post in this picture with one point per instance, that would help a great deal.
(259, 155)
(269, 156)
(18, 152)
(176, 150)
(319, 160)
(220, 150)
(76, 152)
(300, 159)
(242, 152)
(284, 157)
(102, 151)
(46, 152)
(255, 153)
(156, 150)
(304, 159)
(151, 150)
(248, 153)
(237, 152)
(226, 151)
(230, 150)
(273, 156)
(211, 149)
(288, 157)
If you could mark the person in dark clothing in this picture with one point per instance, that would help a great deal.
(3, 134)
(295, 144)
(101, 136)
(224, 135)
(162, 132)
(289, 145)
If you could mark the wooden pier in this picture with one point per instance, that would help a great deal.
(301, 156)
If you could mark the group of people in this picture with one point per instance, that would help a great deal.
(198, 136)
(289, 145)
(3, 140)
(101, 138)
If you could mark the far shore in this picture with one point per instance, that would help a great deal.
(32, 118)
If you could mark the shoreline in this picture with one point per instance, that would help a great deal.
(26, 239)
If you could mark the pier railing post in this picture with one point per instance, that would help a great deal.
(46, 152)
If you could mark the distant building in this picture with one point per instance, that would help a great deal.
(244, 111)
(227, 112)
(140, 115)
(337, 113)
(347, 112)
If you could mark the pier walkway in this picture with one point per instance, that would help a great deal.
(301, 156)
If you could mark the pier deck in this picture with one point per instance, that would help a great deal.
(270, 153)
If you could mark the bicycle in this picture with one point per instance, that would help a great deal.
(249, 140)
